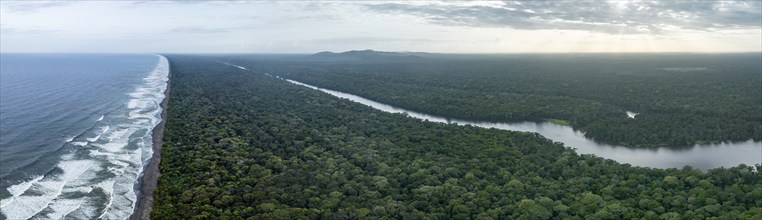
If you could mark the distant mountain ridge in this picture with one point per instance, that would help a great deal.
(371, 55)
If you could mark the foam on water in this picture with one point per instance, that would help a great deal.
(42, 193)
(103, 130)
(63, 207)
(18, 189)
(108, 188)
(98, 178)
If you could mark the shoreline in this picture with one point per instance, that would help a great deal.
(149, 180)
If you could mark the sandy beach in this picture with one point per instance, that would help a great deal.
(151, 172)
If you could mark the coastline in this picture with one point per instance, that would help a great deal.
(151, 173)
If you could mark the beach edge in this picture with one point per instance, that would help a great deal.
(149, 180)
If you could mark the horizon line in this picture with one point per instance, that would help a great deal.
(453, 53)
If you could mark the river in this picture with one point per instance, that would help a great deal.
(702, 156)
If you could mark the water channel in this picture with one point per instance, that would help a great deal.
(702, 156)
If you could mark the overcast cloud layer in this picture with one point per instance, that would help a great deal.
(615, 17)
(431, 26)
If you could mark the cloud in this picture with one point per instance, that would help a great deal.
(25, 7)
(367, 40)
(33, 30)
(615, 17)
(319, 17)
(199, 30)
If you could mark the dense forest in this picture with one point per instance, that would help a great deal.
(681, 99)
(240, 145)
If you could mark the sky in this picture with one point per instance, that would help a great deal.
(425, 26)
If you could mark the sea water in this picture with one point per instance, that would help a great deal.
(75, 132)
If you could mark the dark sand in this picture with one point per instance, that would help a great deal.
(151, 172)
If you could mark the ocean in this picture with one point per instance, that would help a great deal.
(75, 132)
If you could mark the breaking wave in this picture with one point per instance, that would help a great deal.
(97, 175)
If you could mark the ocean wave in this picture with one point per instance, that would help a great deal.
(41, 193)
(97, 179)
(103, 130)
(18, 189)
(63, 207)
(79, 143)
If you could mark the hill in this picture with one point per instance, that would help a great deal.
(365, 55)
